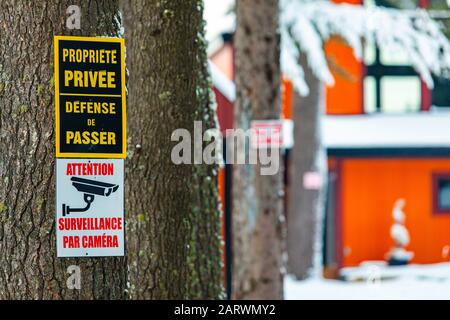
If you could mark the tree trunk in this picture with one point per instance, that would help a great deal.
(306, 198)
(172, 210)
(29, 266)
(257, 199)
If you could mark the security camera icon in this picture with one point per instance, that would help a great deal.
(90, 188)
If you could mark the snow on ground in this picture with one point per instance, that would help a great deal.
(422, 282)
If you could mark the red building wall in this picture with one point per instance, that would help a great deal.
(369, 188)
(346, 96)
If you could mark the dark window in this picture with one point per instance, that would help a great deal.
(441, 193)
(440, 95)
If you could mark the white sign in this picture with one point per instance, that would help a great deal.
(267, 133)
(312, 180)
(272, 133)
(89, 207)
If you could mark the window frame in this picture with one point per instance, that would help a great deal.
(436, 178)
(377, 70)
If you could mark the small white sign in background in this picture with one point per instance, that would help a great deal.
(90, 207)
(272, 133)
(312, 180)
(267, 133)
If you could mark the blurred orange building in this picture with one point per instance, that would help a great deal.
(387, 137)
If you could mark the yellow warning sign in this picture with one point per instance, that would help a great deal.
(90, 97)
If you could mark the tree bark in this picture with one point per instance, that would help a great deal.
(306, 204)
(257, 199)
(29, 266)
(173, 212)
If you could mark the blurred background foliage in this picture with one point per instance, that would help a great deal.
(439, 9)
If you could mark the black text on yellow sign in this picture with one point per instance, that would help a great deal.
(90, 97)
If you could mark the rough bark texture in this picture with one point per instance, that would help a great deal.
(306, 206)
(257, 200)
(29, 268)
(173, 211)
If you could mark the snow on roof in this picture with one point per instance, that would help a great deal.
(426, 129)
(411, 130)
(218, 18)
(222, 83)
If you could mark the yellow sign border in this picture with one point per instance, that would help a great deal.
(60, 154)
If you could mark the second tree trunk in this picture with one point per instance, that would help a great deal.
(257, 199)
(307, 178)
(173, 226)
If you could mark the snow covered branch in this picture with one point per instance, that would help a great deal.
(307, 25)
